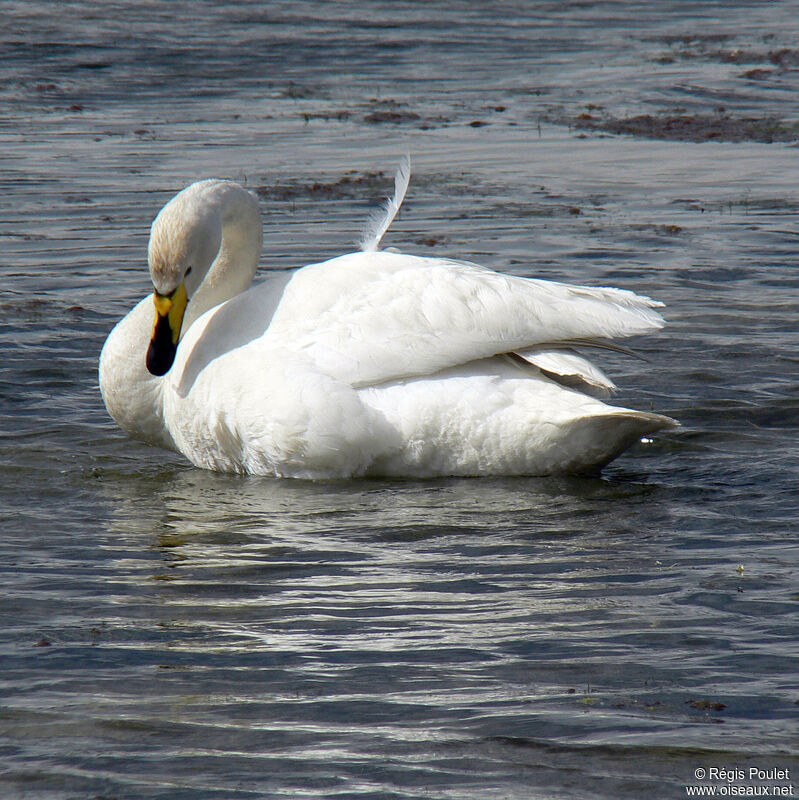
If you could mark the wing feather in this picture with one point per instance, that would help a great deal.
(569, 366)
(366, 318)
(380, 221)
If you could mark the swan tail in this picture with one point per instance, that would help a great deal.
(592, 442)
(381, 220)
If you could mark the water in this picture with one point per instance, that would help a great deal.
(171, 633)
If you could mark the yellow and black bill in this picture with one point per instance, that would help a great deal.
(169, 310)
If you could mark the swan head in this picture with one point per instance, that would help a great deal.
(184, 240)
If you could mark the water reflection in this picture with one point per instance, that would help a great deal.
(384, 565)
(508, 622)
(199, 504)
(169, 633)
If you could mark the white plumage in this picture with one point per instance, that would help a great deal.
(372, 363)
(381, 220)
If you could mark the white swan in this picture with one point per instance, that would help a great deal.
(372, 363)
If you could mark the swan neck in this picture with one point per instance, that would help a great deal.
(233, 268)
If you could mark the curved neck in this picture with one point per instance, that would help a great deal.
(234, 264)
(215, 226)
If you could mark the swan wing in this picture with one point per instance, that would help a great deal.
(365, 318)
(567, 367)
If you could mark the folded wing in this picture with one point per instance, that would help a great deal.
(365, 318)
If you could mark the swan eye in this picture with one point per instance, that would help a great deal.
(187, 272)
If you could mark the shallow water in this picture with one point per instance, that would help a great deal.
(171, 633)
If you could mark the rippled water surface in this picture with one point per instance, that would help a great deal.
(171, 633)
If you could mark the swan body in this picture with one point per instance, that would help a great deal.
(372, 363)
